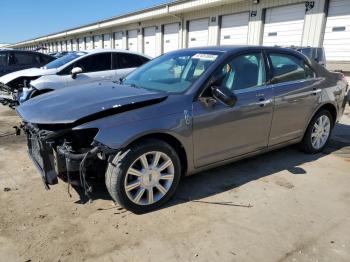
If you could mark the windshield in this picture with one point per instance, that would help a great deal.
(64, 60)
(173, 72)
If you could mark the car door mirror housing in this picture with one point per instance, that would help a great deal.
(75, 71)
(224, 95)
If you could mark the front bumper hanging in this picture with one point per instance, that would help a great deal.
(54, 160)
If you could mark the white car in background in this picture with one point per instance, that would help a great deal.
(75, 68)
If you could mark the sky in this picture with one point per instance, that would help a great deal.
(26, 19)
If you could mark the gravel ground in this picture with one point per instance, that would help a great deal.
(281, 206)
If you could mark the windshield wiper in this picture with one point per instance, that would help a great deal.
(121, 82)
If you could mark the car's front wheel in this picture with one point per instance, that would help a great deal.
(145, 176)
(318, 132)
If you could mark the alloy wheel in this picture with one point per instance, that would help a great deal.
(149, 178)
(320, 132)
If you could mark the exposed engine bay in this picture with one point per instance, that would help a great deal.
(67, 154)
(10, 92)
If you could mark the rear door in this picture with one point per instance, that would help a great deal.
(222, 132)
(296, 91)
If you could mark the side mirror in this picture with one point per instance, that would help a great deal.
(75, 71)
(224, 95)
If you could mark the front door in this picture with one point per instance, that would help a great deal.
(222, 132)
(96, 68)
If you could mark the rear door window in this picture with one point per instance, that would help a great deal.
(23, 58)
(3, 58)
(124, 60)
(287, 68)
(95, 63)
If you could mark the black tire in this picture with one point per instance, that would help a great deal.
(306, 144)
(117, 170)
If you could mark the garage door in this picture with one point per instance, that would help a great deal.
(198, 32)
(118, 40)
(149, 41)
(97, 42)
(106, 41)
(337, 36)
(234, 29)
(284, 25)
(89, 44)
(132, 40)
(75, 45)
(171, 37)
(69, 45)
(64, 45)
(81, 44)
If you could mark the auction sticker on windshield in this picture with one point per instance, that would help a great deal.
(208, 57)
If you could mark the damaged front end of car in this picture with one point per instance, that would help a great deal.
(65, 153)
(71, 133)
(8, 96)
(11, 92)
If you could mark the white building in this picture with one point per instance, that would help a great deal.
(182, 24)
(3, 45)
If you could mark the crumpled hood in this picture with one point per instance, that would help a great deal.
(31, 72)
(88, 102)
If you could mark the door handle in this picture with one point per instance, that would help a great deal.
(316, 91)
(262, 102)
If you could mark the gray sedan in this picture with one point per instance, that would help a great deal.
(181, 113)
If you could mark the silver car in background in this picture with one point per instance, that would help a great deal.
(75, 68)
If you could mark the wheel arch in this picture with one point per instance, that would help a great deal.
(171, 140)
(327, 106)
(330, 108)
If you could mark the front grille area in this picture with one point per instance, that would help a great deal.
(35, 150)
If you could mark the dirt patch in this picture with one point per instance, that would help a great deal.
(269, 206)
(284, 183)
(7, 111)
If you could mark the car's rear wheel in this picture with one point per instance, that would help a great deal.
(145, 177)
(318, 132)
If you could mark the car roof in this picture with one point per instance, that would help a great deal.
(21, 51)
(102, 50)
(232, 49)
(237, 48)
